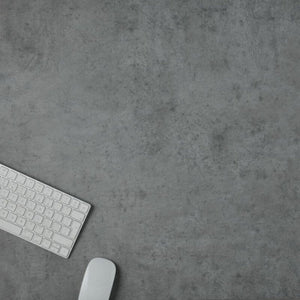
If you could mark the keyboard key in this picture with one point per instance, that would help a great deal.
(38, 187)
(39, 198)
(54, 249)
(74, 203)
(38, 219)
(67, 221)
(20, 210)
(3, 171)
(29, 225)
(3, 213)
(83, 208)
(66, 210)
(38, 229)
(21, 221)
(36, 239)
(4, 193)
(65, 199)
(40, 209)
(57, 217)
(56, 195)
(27, 235)
(29, 183)
(62, 240)
(48, 233)
(20, 179)
(30, 204)
(47, 191)
(22, 200)
(64, 251)
(11, 175)
(49, 213)
(77, 215)
(21, 190)
(11, 217)
(29, 214)
(3, 182)
(48, 202)
(65, 231)
(29, 194)
(57, 206)
(3, 202)
(55, 226)
(46, 243)
(12, 186)
(14, 229)
(12, 197)
(11, 206)
(47, 223)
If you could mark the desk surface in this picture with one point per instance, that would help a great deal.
(179, 122)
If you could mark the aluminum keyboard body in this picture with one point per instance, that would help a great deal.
(39, 213)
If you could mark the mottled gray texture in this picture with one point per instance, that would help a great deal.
(179, 122)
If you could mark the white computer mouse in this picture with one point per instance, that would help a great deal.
(98, 280)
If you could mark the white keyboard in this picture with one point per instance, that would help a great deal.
(39, 213)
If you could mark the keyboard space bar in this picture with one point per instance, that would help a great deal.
(6, 226)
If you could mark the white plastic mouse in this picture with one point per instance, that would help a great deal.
(98, 280)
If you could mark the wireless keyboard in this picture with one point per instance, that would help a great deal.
(39, 213)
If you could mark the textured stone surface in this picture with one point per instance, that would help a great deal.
(179, 122)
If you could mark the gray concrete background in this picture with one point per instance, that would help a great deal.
(179, 122)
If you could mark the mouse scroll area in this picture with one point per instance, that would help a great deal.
(98, 280)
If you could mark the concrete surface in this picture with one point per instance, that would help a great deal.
(179, 122)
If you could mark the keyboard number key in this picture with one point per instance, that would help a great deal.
(74, 203)
(29, 183)
(11, 175)
(47, 191)
(38, 187)
(65, 199)
(20, 179)
(56, 195)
